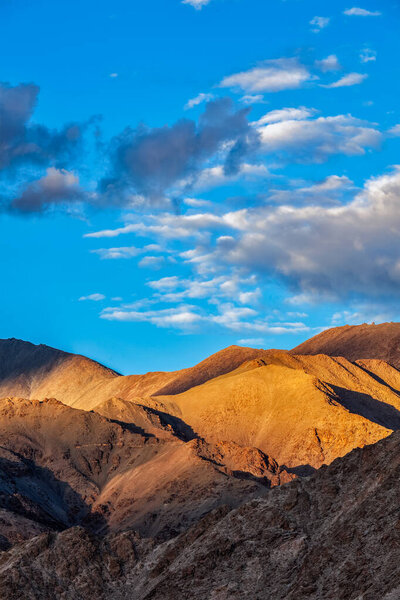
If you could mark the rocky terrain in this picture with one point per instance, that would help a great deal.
(61, 467)
(254, 474)
(357, 341)
(334, 535)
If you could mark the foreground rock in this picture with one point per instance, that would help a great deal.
(333, 536)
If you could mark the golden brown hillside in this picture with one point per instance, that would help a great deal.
(303, 410)
(61, 467)
(357, 341)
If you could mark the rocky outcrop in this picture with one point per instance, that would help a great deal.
(61, 467)
(332, 536)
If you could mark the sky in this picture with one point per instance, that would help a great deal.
(177, 177)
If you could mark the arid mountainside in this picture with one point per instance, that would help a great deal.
(156, 478)
(38, 372)
(332, 536)
(302, 410)
(61, 467)
(357, 341)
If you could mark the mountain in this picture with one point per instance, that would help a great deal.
(61, 467)
(39, 371)
(357, 341)
(332, 536)
(302, 410)
(132, 470)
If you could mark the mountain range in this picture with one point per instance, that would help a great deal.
(254, 474)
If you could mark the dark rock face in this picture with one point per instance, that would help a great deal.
(333, 536)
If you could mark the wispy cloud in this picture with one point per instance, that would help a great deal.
(319, 23)
(330, 63)
(361, 12)
(93, 297)
(252, 99)
(197, 4)
(199, 99)
(270, 76)
(180, 317)
(124, 251)
(348, 80)
(251, 342)
(367, 55)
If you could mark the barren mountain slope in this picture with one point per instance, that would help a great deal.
(39, 372)
(60, 467)
(304, 410)
(335, 535)
(31, 371)
(356, 342)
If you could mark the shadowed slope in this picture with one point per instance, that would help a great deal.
(60, 467)
(356, 342)
(32, 371)
(335, 535)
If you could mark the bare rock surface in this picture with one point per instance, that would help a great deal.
(61, 467)
(332, 536)
(357, 342)
(304, 411)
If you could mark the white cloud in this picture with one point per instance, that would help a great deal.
(109, 233)
(319, 23)
(251, 342)
(113, 75)
(197, 4)
(215, 176)
(315, 139)
(196, 202)
(198, 100)
(152, 262)
(395, 131)
(324, 192)
(351, 248)
(270, 76)
(367, 55)
(286, 114)
(232, 286)
(166, 225)
(329, 184)
(123, 252)
(330, 63)
(361, 12)
(252, 99)
(348, 80)
(180, 317)
(250, 297)
(93, 297)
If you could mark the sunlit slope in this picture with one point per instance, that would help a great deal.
(61, 467)
(301, 410)
(38, 371)
(357, 342)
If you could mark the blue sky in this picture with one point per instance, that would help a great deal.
(176, 177)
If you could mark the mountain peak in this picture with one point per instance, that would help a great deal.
(354, 342)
